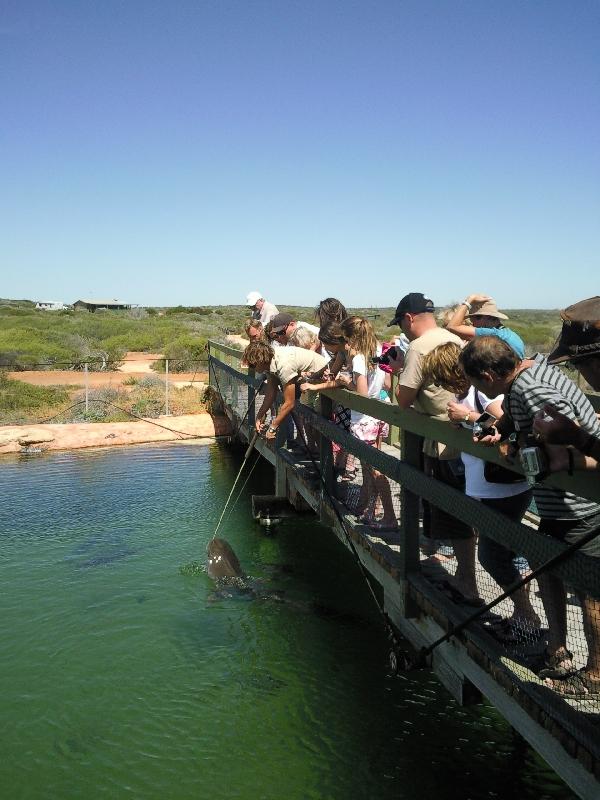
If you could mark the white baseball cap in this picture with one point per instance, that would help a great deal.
(252, 298)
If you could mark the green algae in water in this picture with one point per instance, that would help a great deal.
(121, 680)
(193, 568)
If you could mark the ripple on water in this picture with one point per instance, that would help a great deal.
(123, 680)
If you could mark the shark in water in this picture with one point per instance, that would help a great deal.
(224, 567)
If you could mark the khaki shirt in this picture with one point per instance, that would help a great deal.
(431, 400)
(289, 363)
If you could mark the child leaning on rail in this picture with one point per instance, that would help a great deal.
(336, 376)
(369, 381)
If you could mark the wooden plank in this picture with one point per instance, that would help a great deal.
(458, 664)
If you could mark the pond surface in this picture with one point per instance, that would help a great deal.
(123, 678)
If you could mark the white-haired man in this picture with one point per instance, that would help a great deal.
(262, 310)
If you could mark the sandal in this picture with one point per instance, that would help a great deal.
(555, 666)
(457, 596)
(382, 527)
(502, 630)
(577, 685)
(347, 474)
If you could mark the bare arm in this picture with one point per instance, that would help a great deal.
(457, 323)
(406, 396)
(289, 401)
(270, 394)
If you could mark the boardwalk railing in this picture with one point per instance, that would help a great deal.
(419, 591)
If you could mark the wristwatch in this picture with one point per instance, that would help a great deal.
(467, 418)
(467, 304)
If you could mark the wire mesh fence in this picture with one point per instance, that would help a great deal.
(543, 640)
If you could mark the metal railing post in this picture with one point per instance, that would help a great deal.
(326, 450)
(167, 387)
(412, 445)
(87, 388)
(251, 405)
(280, 467)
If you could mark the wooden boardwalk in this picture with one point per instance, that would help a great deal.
(415, 587)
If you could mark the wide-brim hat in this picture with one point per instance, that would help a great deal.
(580, 334)
(487, 309)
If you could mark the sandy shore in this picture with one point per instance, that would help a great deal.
(109, 434)
(57, 377)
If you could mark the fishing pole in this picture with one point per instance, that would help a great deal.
(395, 653)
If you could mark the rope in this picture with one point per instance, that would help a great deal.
(182, 434)
(384, 617)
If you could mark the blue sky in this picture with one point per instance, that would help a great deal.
(189, 152)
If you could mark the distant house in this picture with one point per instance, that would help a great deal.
(50, 305)
(94, 305)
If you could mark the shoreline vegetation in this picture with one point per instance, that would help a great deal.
(43, 353)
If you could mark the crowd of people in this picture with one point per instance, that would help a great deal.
(466, 367)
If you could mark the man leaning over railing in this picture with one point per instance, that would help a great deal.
(579, 346)
(415, 316)
(494, 368)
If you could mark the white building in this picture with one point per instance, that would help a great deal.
(50, 305)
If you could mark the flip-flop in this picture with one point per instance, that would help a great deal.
(553, 666)
(502, 631)
(457, 596)
(381, 527)
(576, 686)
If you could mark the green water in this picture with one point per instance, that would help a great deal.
(121, 678)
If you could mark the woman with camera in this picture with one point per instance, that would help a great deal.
(473, 408)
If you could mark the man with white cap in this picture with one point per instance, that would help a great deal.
(261, 308)
(485, 320)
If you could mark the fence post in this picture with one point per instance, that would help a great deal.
(412, 446)
(280, 467)
(326, 450)
(87, 388)
(251, 404)
(167, 387)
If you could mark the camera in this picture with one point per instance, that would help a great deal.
(384, 358)
(533, 462)
(483, 425)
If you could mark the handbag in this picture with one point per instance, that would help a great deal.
(496, 473)
(492, 472)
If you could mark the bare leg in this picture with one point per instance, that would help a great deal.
(382, 487)
(591, 624)
(554, 599)
(367, 493)
(464, 550)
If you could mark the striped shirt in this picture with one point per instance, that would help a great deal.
(530, 391)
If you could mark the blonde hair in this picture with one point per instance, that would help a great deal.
(359, 333)
(302, 337)
(446, 314)
(441, 367)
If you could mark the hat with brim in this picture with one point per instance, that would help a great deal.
(486, 309)
(413, 303)
(580, 334)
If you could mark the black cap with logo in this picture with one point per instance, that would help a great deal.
(413, 303)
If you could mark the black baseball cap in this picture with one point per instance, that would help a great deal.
(280, 322)
(413, 303)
